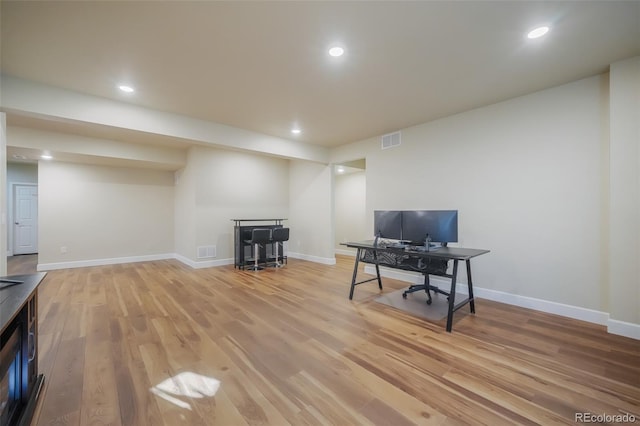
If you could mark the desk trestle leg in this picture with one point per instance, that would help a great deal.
(452, 295)
(452, 305)
(472, 305)
(375, 257)
(355, 274)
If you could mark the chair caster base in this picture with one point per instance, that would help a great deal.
(404, 296)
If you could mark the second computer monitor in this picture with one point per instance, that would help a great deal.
(440, 225)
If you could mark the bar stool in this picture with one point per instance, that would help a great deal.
(278, 236)
(258, 236)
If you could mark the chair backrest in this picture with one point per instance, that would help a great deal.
(280, 234)
(260, 236)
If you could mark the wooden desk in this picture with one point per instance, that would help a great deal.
(443, 253)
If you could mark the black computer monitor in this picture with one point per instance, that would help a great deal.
(387, 224)
(440, 225)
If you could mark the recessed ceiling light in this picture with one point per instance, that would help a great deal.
(296, 131)
(538, 32)
(125, 88)
(340, 169)
(336, 51)
(46, 157)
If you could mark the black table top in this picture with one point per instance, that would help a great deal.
(455, 253)
(13, 298)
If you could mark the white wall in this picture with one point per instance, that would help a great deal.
(219, 185)
(99, 213)
(526, 177)
(625, 194)
(311, 211)
(22, 173)
(350, 209)
(184, 227)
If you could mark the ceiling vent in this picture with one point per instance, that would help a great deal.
(391, 140)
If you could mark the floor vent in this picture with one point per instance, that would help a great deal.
(206, 252)
(391, 140)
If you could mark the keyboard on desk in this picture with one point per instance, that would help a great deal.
(424, 249)
(397, 245)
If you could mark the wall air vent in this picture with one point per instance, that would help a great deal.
(206, 252)
(391, 140)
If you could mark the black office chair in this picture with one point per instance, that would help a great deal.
(429, 267)
(279, 235)
(258, 236)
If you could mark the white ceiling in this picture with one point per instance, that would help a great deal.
(263, 66)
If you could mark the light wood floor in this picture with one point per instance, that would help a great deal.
(288, 347)
(22, 264)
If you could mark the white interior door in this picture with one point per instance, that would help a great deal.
(25, 218)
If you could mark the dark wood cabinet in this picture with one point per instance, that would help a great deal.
(20, 383)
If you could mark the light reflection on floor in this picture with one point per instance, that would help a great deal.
(186, 384)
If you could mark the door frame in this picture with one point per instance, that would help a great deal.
(11, 200)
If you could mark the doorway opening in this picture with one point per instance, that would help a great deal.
(22, 220)
(350, 208)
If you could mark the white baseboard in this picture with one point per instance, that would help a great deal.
(183, 259)
(316, 259)
(589, 315)
(203, 264)
(346, 252)
(625, 329)
(102, 262)
(570, 311)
